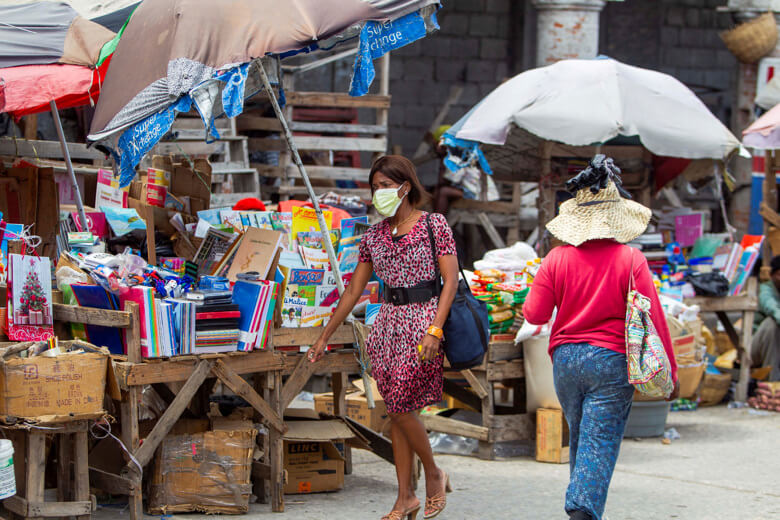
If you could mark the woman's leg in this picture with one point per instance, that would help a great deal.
(605, 407)
(403, 455)
(414, 431)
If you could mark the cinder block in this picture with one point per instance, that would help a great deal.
(670, 36)
(498, 6)
(481, 71)
(467, 6)
(438, 46)
(675, 16)
(465, 48)
(483, 25)
(493, 48)
(454, 23)
(450, 70)
(420, 68)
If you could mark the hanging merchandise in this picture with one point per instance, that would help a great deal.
(29, 298)
(379, 38)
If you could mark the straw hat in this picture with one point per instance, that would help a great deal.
(590, 216)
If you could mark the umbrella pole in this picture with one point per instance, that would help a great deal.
(297, 158)
(68, 164)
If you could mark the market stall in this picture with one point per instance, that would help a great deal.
(184, 296)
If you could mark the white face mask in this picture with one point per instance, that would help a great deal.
(386, 201)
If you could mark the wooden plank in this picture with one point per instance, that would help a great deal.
(769, 214)
(345, 361)
(505, 370)
(81, 509)
(145, 453)
(377, 443)
(488, 207)
(64, 460)
(289, 337)
(248, 122)
(504, 351)
(516, 427)
(90, 316)
(336, 128)
(177, 369)
(462, 394)
(261, 471)
(242, 389)
(276, 446)
(362, 193)
(110, 483)
(338, 383)
(453, 427)
(297, 380)
(333, 99)
(314, 172)
(306, 142)
(36, 469)
(745, 302)
(190, 148)
(491, 230)
(475, 384)
(81, 473)
(16, 505)
(266, 144)
(46, 149)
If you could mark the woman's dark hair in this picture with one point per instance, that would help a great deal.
(399, 169)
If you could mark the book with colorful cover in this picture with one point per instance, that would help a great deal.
(231, 218)
(348, 259)
(324, 295)
(315, 316)
(305, 219)
(348, 228)
(252, 299)
(299, 276)
(263, 220)
(282, 222)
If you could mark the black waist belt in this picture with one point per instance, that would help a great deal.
(420, 293)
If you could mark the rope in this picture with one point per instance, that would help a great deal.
(108, 433)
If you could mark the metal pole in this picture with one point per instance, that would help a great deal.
(297, 158)
(69, 165)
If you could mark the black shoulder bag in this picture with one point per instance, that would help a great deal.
(467, 330)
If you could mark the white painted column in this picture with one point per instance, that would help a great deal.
(567, 29)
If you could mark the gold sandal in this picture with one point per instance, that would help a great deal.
(436, 504)
(409, 514)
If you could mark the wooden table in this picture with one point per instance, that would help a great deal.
(269, 396)
(747, 304)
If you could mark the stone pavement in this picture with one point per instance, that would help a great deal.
(723, 467)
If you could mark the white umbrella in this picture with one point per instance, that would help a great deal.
(582, 102)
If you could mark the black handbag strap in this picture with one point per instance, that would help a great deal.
(434, 252)
(482, 336)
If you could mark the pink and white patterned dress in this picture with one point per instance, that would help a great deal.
(406, 384)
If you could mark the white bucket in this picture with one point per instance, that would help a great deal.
(7, 477)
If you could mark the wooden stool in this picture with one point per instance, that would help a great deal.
(72, 472)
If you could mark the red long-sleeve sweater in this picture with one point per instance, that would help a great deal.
(588, 284)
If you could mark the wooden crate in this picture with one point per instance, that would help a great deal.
(552, 436)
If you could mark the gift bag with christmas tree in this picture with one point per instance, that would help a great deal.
(29, 298)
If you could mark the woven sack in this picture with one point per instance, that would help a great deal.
(714, 388)
(752, 40)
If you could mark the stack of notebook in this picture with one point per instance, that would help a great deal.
(256, 301)
(216, 327)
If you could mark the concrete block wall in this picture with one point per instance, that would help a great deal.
(473, 49)
(678, 37)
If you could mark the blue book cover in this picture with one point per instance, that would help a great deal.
(99, 335)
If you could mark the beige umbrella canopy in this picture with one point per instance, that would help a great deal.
(171, 46)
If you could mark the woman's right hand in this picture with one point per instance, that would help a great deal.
(317, 350)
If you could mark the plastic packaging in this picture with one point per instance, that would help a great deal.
(452, 444)
(7, 476)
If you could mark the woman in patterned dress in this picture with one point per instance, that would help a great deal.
(404, 344)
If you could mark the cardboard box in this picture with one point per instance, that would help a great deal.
(71, 383)
(552, 436)
(357, 407)
(312, 458)
(207, 472)
(684, 347)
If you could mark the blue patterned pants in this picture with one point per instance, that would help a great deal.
(593, 388)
